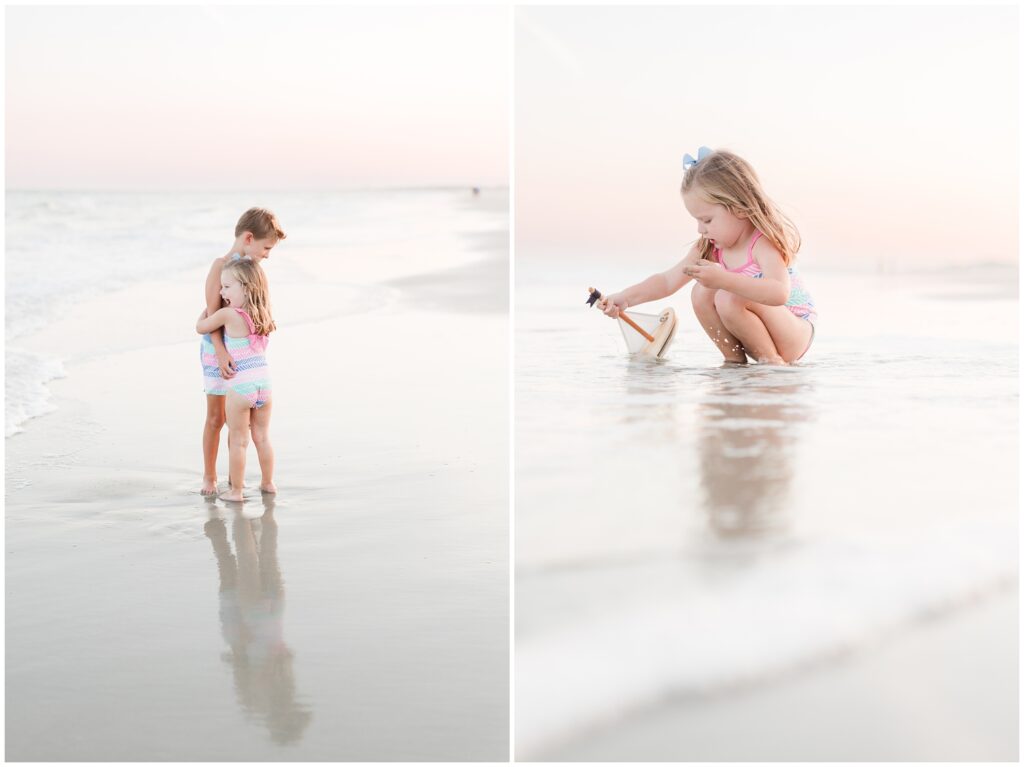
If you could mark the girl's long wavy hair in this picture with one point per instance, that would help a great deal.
(723, 178)
(257, 294)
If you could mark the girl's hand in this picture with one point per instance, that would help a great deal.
(613, 304)
(227, 365)
(708, 274)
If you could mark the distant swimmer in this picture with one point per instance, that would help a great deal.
(476, 191)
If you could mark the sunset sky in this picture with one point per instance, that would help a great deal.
(318, 97)
(889, 134)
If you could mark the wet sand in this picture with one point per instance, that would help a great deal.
(816, 562)
(459, 288)
(362, 614)
(945, 676)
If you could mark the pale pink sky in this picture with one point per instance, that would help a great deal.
(231, 97)
(890, 134)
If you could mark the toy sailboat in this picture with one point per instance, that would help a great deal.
(647, 335)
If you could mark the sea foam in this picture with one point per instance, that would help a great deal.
(807, 605)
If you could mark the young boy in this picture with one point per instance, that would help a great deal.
(256, 232)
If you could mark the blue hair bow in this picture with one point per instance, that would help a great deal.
(689, 162)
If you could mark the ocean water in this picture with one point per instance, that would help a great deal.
(685, 528)
(361, 614)
(64, 248)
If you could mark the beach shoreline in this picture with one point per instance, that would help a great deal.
(702, 547)
(361, 614)
(887, 702)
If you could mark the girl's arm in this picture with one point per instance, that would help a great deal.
(771, 289)
(774, 274)
(213, 305)
(654, 287)
(215, 321)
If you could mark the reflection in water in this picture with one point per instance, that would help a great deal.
(251, 616)
(652, 389)
(747, 436)
(747, 422)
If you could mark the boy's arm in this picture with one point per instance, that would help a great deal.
(654, 287)
(213, 305)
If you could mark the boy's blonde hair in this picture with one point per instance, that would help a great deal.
(257, 294)
(727, 179)
(261, 222)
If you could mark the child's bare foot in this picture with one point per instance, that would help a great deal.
(209, 487)
(232, 494)
(268, 487)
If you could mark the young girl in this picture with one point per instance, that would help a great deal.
(246, 322)
(256, 232)
(748, 298)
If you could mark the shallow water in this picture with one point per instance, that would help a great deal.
(361, 615)
(284, 633)
(667, 511)
(64, 248)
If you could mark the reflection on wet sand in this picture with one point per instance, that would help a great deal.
(251, 618)
(747, 434)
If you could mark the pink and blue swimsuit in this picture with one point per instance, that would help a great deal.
(799, 301)
(252, 376)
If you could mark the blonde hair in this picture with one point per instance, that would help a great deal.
(261, 222)
(727, 179)
(257, 294)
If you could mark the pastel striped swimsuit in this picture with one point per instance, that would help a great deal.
(213, 383)
(799, 301)
(252, 376)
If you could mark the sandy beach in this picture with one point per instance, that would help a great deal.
(884, 705)
(816, 563)
(362, 614)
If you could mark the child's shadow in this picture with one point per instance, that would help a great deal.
(251, 618)
(748, 428)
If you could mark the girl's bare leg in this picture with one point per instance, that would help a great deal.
(237, 410)
(704, 307)
(211, 442)
(771, 334)
(260, 421)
